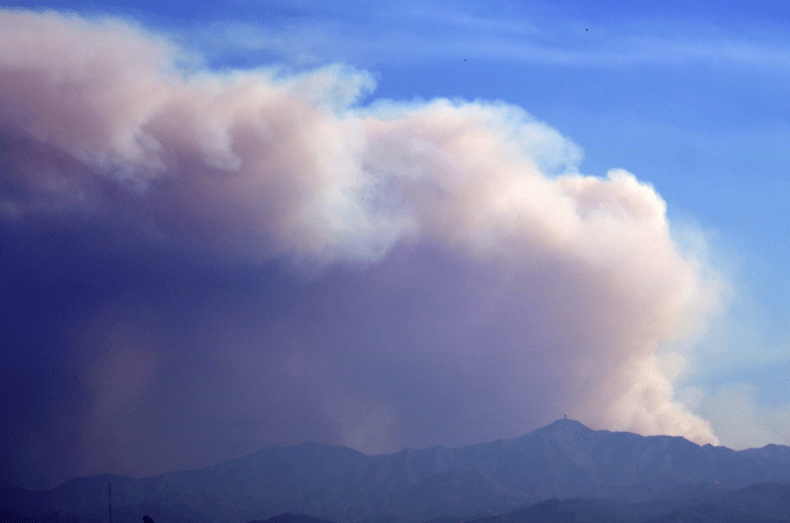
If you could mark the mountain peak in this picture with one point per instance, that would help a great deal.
(566, 424)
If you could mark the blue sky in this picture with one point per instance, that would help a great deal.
(689, 97)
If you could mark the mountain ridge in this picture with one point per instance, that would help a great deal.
(563, 460)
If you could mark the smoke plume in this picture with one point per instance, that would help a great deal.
(433, 272)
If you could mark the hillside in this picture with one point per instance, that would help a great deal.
(563, 460)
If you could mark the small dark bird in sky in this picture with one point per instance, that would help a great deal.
(586, 29)
(464, 59)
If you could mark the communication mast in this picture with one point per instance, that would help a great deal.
(109, 494)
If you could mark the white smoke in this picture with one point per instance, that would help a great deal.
(98, 118)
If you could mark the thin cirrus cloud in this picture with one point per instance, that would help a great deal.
(410, 34)
(457, 279)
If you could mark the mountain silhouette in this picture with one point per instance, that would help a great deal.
(292, 518)
(563, 460)
(761, 503)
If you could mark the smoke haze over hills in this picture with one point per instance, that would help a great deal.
(201, 263)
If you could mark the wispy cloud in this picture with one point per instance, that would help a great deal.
(421, 34)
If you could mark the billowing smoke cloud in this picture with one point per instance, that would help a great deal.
(434, 273)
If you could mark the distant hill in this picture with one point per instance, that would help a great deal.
(292, 518)
(762, 503)
(563, 460)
